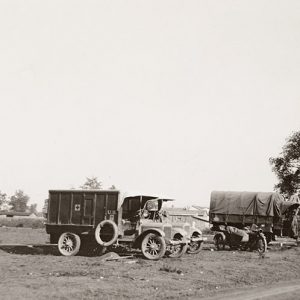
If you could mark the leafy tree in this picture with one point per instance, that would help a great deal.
(113, 187)
(32, 208)
(92, 184)
(19, 201)
(3, 199)
(287, 166)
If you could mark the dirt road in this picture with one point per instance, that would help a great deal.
(282, 290)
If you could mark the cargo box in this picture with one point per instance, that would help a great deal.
(80, 210)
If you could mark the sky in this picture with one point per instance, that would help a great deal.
(168, 98)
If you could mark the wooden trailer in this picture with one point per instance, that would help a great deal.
(80, 211)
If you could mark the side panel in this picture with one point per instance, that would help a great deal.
(76, 208)
(100, 208)
(53, 208)
(65, 208)
(88, 203)
(112, 208)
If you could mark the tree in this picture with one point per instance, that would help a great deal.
(3, 200)
(113, 187)
(19, 201)
(287, 166)
(32, 208)
(92, 184)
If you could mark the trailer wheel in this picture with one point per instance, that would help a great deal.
(69, 244)
(106, 233)
(219, 242)
(261, 243)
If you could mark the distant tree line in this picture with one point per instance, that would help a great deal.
(17, 202)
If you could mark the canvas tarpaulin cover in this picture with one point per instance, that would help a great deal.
(245, 204)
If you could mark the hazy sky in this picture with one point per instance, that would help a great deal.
(174, 98)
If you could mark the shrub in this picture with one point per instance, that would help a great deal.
(22, 222)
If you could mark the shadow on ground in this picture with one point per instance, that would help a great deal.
(31, 249)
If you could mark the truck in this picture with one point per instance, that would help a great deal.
(268, 211)
(82, 218)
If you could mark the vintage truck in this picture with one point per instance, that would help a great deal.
(268, 211)
(81, 218)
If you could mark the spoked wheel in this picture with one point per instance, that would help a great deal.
(195, 247)
(69, 244)
(153, 246)
(219, 242)
(261, 244)
(176, 251)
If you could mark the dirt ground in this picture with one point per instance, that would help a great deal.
(38, 272)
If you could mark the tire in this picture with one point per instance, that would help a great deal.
(106, 233)
(219, 242)
(195, 247)
(69, 244)
(176, 251)
(153, 246)
(261, 243)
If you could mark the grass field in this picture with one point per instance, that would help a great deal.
(40, 274)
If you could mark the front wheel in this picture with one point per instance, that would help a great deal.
(153, 246)
(69, 244)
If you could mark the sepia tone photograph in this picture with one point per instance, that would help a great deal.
(150, 149)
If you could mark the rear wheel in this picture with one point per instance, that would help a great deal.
(69, 244)
(153, 246)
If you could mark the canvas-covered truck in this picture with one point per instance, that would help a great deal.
(268, 211)
(83, 218)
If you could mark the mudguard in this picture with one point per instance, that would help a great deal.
(180, 231)
(153, 230)
(196, 231)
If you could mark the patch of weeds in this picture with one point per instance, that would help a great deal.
(169, 269)
(142, 262)
(68, 274)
